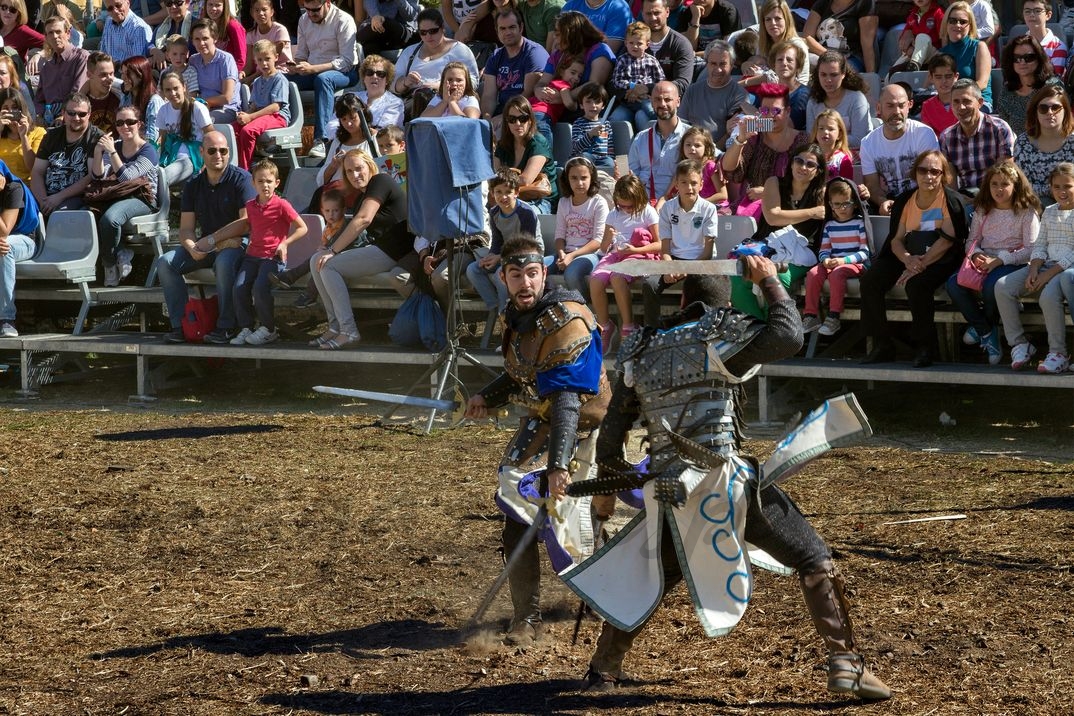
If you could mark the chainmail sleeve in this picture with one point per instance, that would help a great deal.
(563, 428)
(780, 338)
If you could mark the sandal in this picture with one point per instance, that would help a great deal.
(323, 338)
(342, 340)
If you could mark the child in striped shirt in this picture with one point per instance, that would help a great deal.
(844, 254)
(591, 135)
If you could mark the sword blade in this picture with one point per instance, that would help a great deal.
(716, 267)
(393, 398)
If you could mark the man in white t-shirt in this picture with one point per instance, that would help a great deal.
(888, 151)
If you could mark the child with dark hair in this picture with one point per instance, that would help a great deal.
(333, 203)
(590, 134)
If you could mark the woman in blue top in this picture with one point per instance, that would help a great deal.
(971, 55)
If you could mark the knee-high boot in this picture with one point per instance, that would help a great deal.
(823, 591)
(525, 584)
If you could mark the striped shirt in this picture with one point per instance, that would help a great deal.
(1056, 50)
(845, 240)
(131, 38)
(1056, 239)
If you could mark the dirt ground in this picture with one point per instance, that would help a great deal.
(258, 550)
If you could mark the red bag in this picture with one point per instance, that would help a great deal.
(968, 274)
(199, 318)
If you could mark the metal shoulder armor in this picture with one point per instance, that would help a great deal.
(727, 324)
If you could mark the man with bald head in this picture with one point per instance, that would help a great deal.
(888, 151)
(211, 200)
(655, 151)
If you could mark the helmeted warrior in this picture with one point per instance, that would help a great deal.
(709, 511)
(553, 365)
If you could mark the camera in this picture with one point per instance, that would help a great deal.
(759, 124)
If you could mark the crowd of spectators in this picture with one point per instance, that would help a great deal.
(774, 110)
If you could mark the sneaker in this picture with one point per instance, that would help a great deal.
(220, 336)
(970, 337)
(627, 330)
(830, 326)
(1020, 355)
(304, 301)
(606, 333)
(317, 151)
(175, 336)
(7, 330)
(261, 336)
(1054, 363)
(111, 276)
(810, 323)
(240, 339)
(990, 345)
(123, 261)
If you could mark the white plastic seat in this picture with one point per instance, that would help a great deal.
(730, 232)
(69, 254)
(152, 229)
(287, 138)
(299, 187)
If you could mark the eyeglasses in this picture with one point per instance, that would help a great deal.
(376, 73)
(429, 31)
(213, 151)
(958, 21)
(8, 8)
(127, 122)
(314, 9)
(1031, 57)
(1049, 108)
(770, 111)
(806, 163)
(174, 3)
(843, 205)
(517, 119)
(1033, 11)
(931, 171)
(72, 113)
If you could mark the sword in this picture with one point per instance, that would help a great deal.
(715, 267)
(454, 407)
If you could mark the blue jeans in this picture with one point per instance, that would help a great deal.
(488, 285)
(544, 125)
(21, 248)
(576, 275)
(171, 267)
(638, 114)
(110, 225)
(252, 285)
(324, 86)
(607, 162)
(979, 309)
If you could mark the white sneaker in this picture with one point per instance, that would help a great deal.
(240, 340)
(7, 330)
(970, 337)
(1021, 354)
(1054, 363)
(123, 261)
(830, 326)
(317, 150)
(261, 336)
(111, 276)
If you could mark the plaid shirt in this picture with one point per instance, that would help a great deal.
(644, 70)
(133, 38)
(1056, 239)
(971, 156)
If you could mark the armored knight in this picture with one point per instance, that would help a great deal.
(553, 365)
(707, 510)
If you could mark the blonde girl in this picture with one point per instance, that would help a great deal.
(830, 134)
(632, 233)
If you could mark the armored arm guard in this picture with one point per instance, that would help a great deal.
(499, 390)
(563, 428)
(781, 337)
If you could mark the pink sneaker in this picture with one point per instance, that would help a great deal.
(607, 332)
(1054, 363)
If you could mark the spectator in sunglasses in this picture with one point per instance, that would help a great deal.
(61, 171)
(385, 107)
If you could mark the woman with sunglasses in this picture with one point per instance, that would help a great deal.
(753, 156)
(1025, 70)
(389, 25)
(13, 28)
(959, 31)
(923, 248)
(177, 22)
(131, 158)
(837, 86)
(1048, 139)
(523, 148)
(795, 199)
(385, 107)
(423, 64)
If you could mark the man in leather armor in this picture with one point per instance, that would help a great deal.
(553, 365)
(703, 517)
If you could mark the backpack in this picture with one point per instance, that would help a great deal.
(419, 323)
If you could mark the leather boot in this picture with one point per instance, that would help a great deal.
(823, 591)
(524, 581)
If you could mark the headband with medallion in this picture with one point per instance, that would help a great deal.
(522, 260)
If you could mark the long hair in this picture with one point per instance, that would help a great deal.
(814, 193)
(1023, 198)
(515, 106)
(14, 94)
(766, 43)
(221, 24)
(851, 79)
(186, 109)
(565, 189)
(468, 89)
(964, 7)
(576, 33)
(1032, 118)
(145, 86)
(706, 138)
(842, 143)
(1012, 80)
(346, 105)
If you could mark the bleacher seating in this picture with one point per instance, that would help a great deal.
(68, 253)
(286, 139)
(152, 230)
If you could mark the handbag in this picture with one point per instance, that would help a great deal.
(919, 242)
(199, 318)
(969, 276)
(541, 188)
(102, 193)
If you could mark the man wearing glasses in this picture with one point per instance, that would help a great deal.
(211, 200)
(511, 70)
(125, 34)
(325, 60)
(61, 171)
(888, 152)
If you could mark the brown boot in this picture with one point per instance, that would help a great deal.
(524, 581)
(823, 591)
